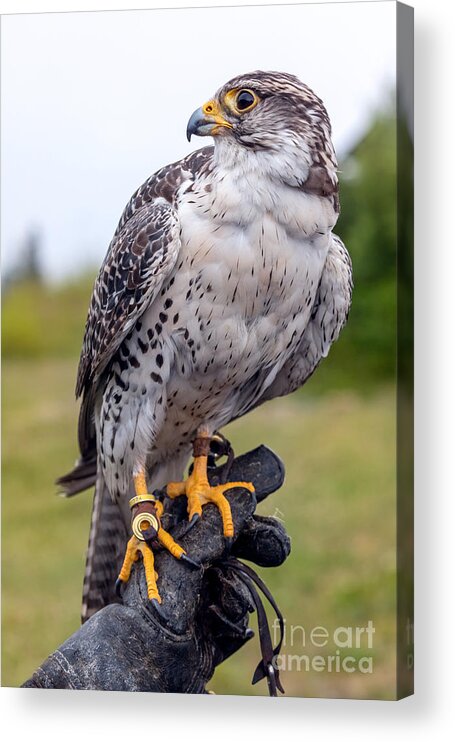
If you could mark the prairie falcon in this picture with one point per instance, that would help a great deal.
(223, 287)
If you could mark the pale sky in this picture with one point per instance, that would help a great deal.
(93, 103)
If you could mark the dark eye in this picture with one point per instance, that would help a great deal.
(245, 99)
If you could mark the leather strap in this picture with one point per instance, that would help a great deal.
(266, 667)
(201, 446)
(228, 465)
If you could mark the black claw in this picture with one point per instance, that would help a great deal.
(189, 525)
(228, 540)
(190, 562)
(118, 587)
(157, 606)
(192, 522)
(249, 633)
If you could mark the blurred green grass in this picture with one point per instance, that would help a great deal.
(338, 504)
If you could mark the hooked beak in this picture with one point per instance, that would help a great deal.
(207, 121)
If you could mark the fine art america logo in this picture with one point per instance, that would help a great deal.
(336, 645)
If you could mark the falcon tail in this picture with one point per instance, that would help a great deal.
(106, 548)
(107, 540)
(81, 478)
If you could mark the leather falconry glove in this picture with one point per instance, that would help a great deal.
(205, 611)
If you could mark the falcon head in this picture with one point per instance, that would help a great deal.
(268, 112)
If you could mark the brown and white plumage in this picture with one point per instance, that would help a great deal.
(223, 287)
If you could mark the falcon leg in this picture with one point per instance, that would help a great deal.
(146, 511)
(134, 549)
(198, 490)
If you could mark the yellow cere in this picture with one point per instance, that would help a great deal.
(211, 109)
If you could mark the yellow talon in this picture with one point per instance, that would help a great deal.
(168, 542)
(199, 492)
(133, 550)
(136, 547)
(150, 574)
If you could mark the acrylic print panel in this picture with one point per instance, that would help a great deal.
(93, 104)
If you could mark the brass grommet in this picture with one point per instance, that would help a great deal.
(141, 518)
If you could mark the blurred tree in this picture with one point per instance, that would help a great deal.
(28, 262)
(365, 352)
(31, 261)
